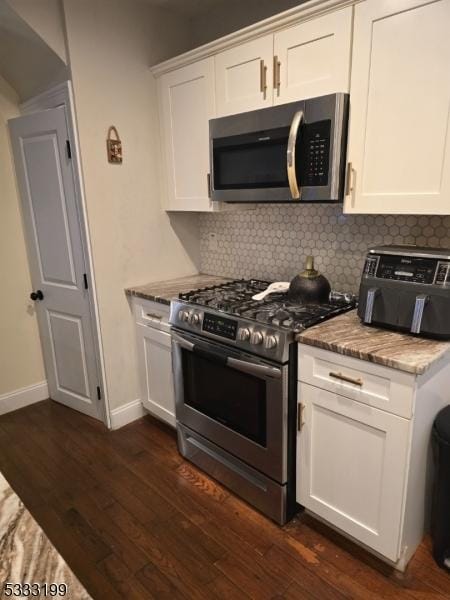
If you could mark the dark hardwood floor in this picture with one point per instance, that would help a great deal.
(134, 520)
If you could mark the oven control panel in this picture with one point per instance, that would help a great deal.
(413, 269)
(226, 328)
(268, 342)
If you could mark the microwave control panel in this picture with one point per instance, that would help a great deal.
(427, 271)
(314, 156)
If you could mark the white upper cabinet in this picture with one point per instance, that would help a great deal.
(313, 58)
(186, 98)
(244, 76)
(399, 141)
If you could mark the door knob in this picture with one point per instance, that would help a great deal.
(38, 295)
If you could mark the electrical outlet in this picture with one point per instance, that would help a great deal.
(212, 241)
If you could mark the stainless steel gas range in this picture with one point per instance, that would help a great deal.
(235, 367)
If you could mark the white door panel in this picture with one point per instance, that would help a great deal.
(314, 57)
(52, 225)
(399, 142)
(155, 370)
(352, 462)
(187, 103)
(244, 76)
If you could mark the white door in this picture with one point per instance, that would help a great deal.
(187, 103)
(399, 142)
(155, 370)
(313, 57)
(244, 77)
(52, 224)
(352, 462)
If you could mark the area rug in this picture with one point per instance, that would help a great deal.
(28, 560)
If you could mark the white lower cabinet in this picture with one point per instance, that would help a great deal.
(364, 448)
(154, 352)
(352, 461)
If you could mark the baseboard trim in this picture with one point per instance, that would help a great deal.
(23, 397)
(127, 414)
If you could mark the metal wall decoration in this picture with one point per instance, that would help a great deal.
(114, 146)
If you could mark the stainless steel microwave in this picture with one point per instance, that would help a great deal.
(292, 152)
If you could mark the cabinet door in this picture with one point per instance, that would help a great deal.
(313, 58)
(399, 144)
(244, 77)
(186, 99)
(155, 372)
(352, 462)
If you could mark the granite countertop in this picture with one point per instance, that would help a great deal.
(164, 291)
(346, 335)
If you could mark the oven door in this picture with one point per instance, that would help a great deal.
(235, 400)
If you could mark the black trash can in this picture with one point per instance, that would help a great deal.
(440, 515)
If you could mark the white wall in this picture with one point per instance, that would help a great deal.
(111, 44)
(231, 15)
(21, 362)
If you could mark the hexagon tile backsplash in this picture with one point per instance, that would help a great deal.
(272, 241)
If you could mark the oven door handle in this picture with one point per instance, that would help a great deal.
(296, 190)
(253, 368)
(182, 342)
(234, 363)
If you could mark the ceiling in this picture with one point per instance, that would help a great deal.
(26, 62)
(187, 7)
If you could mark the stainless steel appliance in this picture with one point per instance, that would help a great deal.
(235, 387)
(285, 153)
(407, 288)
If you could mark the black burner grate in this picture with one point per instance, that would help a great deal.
(235, 298)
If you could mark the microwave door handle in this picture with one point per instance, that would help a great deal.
(296, 190)
(254, 369)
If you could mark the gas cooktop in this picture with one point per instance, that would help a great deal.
(235, 298)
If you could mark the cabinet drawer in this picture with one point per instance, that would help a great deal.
(381, 387)
(152, 314)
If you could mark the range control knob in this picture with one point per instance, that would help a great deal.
(243, 334)
(183, 315)
(270, 342)
(256, 338)
(194, 319)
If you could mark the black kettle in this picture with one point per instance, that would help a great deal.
(309, 287)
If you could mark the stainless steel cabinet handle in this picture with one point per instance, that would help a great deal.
(154, 316)
(276, 74)
(349, 179)
(263, 78)
(419, 306)
(343, 377)
(296, 191)
(370, 301)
